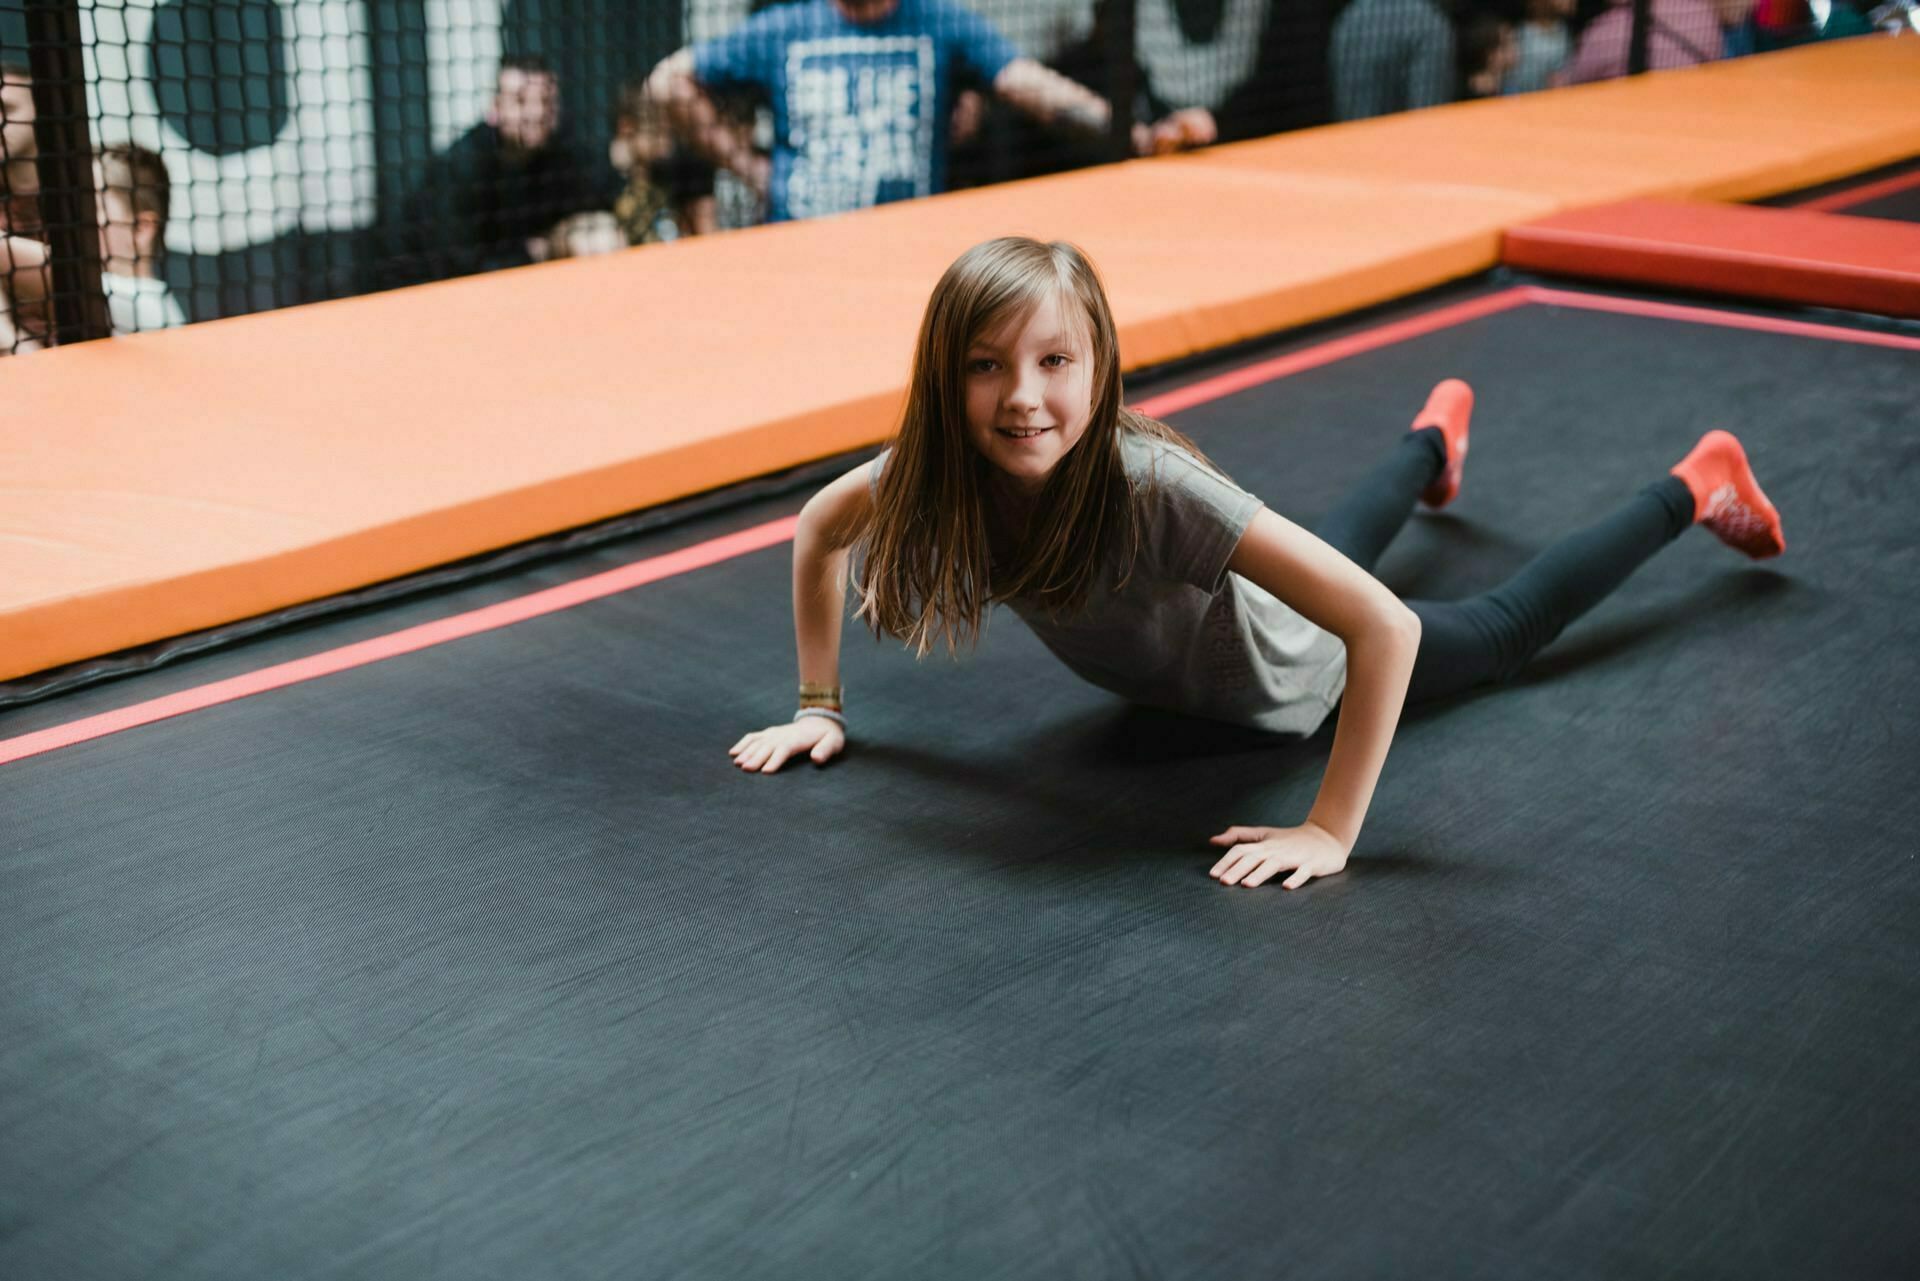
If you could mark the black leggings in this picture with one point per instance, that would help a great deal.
(1489, 638)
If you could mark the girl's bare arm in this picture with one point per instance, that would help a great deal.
(829, 524)
(1382, 636)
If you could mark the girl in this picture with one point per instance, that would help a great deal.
(1017, 476)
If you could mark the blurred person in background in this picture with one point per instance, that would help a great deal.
(864, 95)
(23, 319)
(1489, 48)
(1781, 24)
(1545, 42)
(492, 199)
(1685, 33)
(1391, 55)
(1009, 143)
(26, 280)
(133, 206)
(992, 141)
(132, 199)
(668, 192)
(19, 170)
(585, 235)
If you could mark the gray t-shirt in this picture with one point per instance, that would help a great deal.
(1185, 633)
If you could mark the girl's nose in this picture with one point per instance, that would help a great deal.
(1023, 393)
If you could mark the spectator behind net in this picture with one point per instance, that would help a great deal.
(133, 197)
(492, 199)
(19, 153)
(995, 142)
(586, 235)
(668, 192)
(1685, 33)
(1488, 48)
(1545, 42)
(864, 92)
(1391, 55)
(23, 323)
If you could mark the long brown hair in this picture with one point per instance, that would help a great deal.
(927, 572)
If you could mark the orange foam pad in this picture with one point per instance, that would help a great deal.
(1735, 130)
(1777, 255)
(168, 482)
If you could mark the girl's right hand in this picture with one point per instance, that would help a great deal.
(768, 749)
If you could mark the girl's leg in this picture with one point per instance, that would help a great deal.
(1489, 638)
(1365, 521)
(1426, 465)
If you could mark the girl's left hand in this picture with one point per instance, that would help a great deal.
(1259, 852)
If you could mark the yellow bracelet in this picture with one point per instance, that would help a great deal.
(817, 695)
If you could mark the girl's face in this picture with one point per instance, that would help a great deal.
(1029, 390)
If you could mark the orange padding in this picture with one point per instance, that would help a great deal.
(1776, 255)
(163, 483)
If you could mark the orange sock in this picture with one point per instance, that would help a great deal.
(1727, 499)
(1450, 408)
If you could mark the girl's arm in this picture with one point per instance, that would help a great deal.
(1382, 636)
(829, 524)
(822, 542)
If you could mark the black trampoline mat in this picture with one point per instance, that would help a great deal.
(1892, 192)
(1900, 206)
(484, 962)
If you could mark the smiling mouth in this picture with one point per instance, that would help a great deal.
(1022, 433)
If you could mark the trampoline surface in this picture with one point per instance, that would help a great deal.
(1892, 192)
(482, 961)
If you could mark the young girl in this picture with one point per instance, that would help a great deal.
(1018, 476)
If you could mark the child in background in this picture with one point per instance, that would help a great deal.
(586, 235)
(1489, 48)
(134, 202)
(669, 192)
(131, 201)
(1018, 477)
(25, 276)
(1544, 45)
(19, 153)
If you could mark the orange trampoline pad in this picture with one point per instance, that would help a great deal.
(1735, 130)
(1776, 255)
(179, 480)
(168, 482)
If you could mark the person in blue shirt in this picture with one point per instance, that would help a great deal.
(862, 92)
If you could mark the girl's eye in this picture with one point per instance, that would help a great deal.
(980, 365)
(1049, 361)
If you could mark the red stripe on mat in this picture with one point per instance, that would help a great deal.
(439, 632)
(1326, 353)
(1725, 319)
(1860, 195)
(777, 532)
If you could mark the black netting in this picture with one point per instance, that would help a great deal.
(175, 160)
